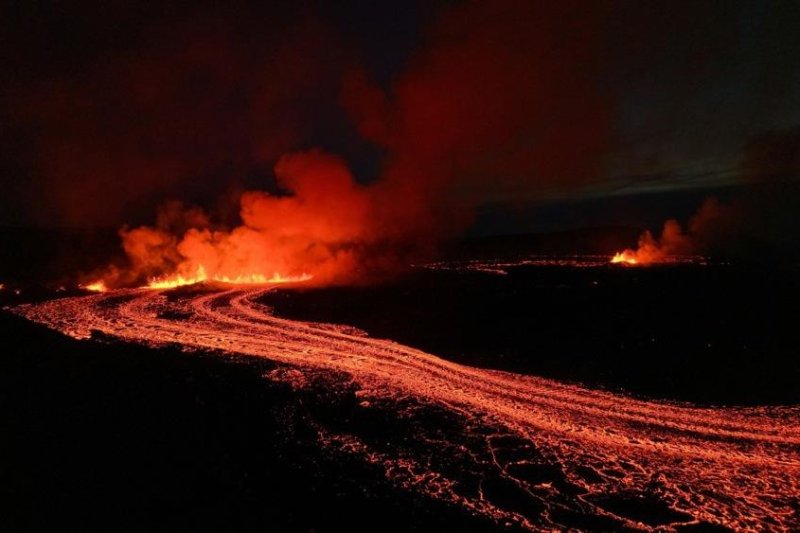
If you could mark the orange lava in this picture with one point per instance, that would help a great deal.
(95, 286)
(735, 467)
(627, 257)
(171, 282)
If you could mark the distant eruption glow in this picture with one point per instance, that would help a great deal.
(673, 243)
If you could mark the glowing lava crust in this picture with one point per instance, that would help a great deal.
(735, 467)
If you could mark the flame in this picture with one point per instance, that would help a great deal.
(95, 286)
(200, 275)
(626, 257)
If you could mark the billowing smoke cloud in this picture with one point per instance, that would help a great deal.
(487, 104)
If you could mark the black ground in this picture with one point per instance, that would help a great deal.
(712, 334)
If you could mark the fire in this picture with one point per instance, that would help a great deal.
(95, 286)
(200, 275)
(626, 257)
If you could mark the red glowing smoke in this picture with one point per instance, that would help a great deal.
(486, 107)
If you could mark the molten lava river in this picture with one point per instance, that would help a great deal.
(543, 455)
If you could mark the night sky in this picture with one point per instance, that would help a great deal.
(516, 116)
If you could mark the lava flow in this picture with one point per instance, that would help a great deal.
(734, 467)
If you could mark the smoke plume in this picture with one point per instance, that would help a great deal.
(485, 105)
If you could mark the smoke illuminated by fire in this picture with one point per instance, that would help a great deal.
(673, 242)
(318, 230)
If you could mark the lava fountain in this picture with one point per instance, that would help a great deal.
(626, 257)
(95, 286)
(734, 467)
(200, 276)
